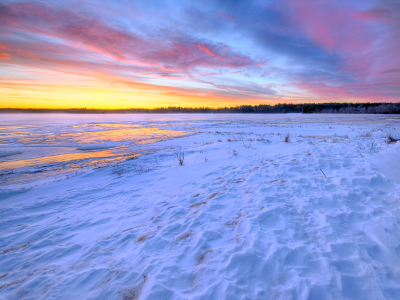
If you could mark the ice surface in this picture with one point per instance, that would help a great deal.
(8, 153)
(63, 144)
(247, 216)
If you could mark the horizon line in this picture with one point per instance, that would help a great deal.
(193, 107)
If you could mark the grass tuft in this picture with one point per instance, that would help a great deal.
(180, 155)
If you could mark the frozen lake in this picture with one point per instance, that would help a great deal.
(34, 146)
(99, 207)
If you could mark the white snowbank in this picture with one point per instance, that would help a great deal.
(248, 216)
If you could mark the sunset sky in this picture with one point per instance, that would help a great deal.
(150, 53)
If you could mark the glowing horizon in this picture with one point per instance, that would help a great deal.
(147, 54)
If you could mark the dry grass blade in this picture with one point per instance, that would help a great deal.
(143, 237)
(287, 138)
(197, 204)
(185, 235)
(248, 146)
(391, 140)
(203, 256)
(213, 195)
(180, 155)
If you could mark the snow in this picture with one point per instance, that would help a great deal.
(249, 218)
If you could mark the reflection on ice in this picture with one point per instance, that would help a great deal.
(9, 165)
(69, 145)
(132, 135)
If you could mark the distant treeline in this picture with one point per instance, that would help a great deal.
(343, 108)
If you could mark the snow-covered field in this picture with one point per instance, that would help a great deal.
(99, 207)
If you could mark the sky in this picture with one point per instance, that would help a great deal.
(215, 53)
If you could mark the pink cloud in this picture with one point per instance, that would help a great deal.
(228, 17)
(388, 12)
(174, 50)
(205, 49)
(330, 25)
(365, 49)
(323, 90)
